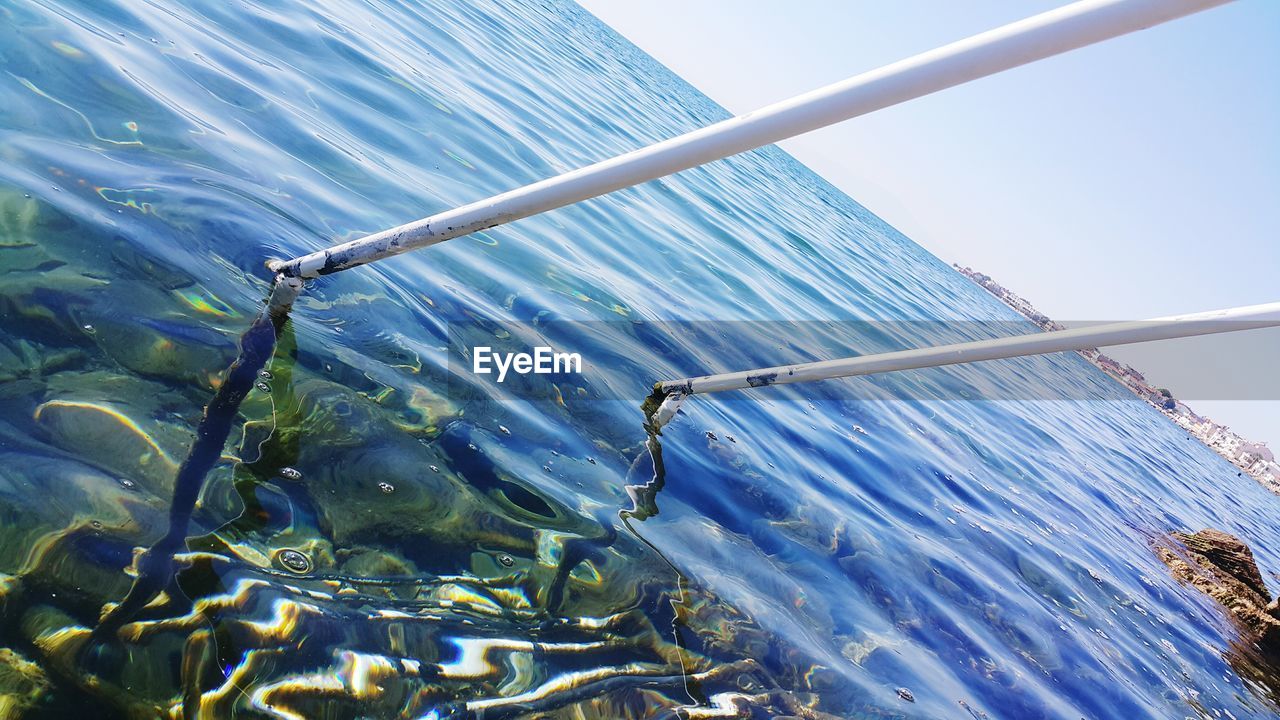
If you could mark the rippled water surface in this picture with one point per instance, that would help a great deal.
(391, 536)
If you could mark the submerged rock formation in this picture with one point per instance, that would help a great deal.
(1222, 566)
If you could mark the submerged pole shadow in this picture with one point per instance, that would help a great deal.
(155, 566)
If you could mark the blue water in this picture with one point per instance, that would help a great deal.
(391, 536)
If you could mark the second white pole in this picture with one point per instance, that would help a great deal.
(1123, 333)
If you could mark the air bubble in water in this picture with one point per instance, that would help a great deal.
(289, 473)
(294, 561)
(264, 387)
(386, 487)
(265, 374)
(506, 560)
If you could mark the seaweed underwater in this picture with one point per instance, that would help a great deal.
(286, 610)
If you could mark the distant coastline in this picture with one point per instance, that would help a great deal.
(1253, 458)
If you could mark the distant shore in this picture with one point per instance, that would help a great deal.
(1253, 458)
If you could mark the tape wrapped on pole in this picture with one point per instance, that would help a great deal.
(1035, 38)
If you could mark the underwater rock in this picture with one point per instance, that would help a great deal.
(21, 358)
(401, 390)
(60, 641)
(40, 305)
(109, 437)
(19, 217)
(73, 495)
(25, 226)
(24, 219)
(367, 563)
(22, 685)
(25, 257)
(857, 651)
(176, 350)
(1222, 566)
(8, 590)
(135, 261)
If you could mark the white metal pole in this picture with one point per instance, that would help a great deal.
(1057, 31)
(1206, 323)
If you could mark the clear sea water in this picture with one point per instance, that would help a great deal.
(390, 536)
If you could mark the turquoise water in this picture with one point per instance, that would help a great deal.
(391, 536)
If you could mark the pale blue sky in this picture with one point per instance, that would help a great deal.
(1132, 179)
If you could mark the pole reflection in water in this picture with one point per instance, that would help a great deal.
(155, 566)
